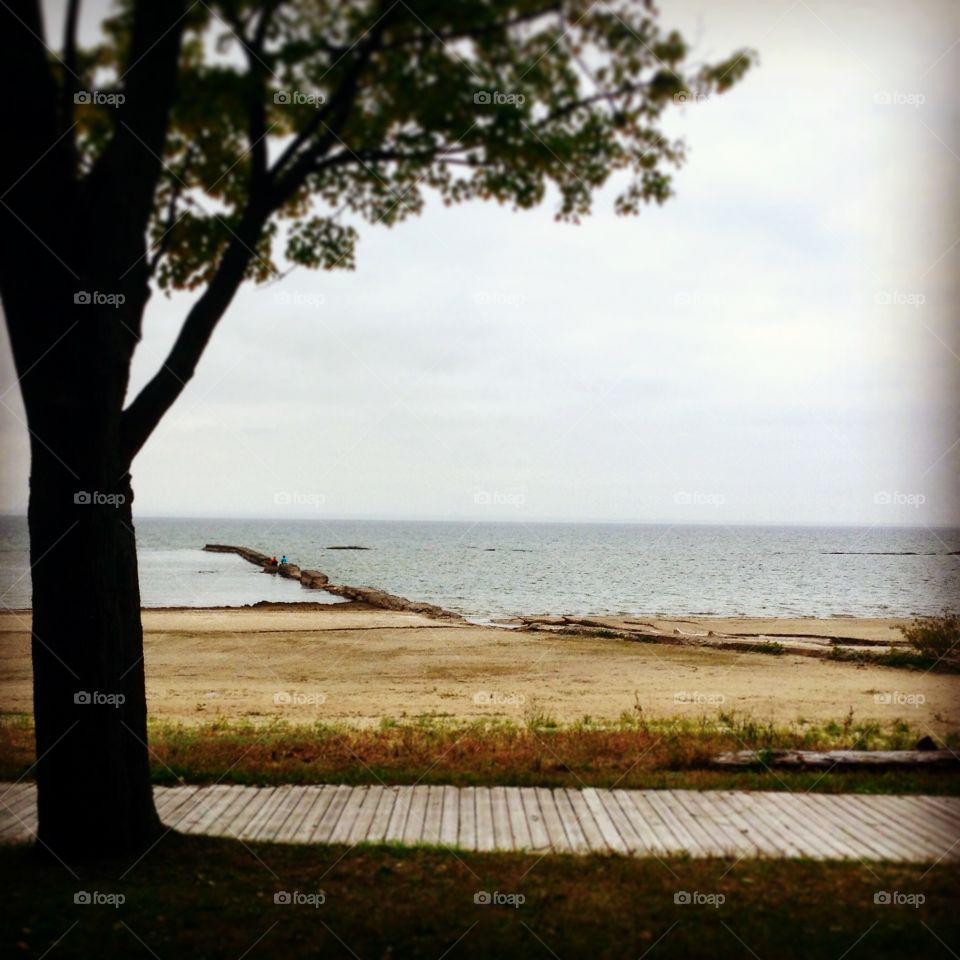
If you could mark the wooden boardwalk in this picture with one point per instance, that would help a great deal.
(646, 823)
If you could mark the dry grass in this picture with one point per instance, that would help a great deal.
(633, 753)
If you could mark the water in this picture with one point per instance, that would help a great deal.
(490, 570)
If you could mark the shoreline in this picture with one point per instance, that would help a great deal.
(361, 665)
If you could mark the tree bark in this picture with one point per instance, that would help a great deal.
(93, 777)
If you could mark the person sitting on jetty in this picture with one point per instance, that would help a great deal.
(273, 561)
(284, 560)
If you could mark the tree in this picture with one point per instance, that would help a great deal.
(197, 147)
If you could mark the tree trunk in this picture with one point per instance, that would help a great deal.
(94, 791)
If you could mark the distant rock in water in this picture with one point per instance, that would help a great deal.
(349, 546)
(875, 553)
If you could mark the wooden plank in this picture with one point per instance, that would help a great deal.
(657, 838)
(306, 797)
(416, 815)
(586, 821)
(19, 806)
(434, 812)
(625, 823)
(539, 838)
(683, 839)
(398, 816)
(943, 809)
(900, 842)
(239, 813)
(914, 814)
(898, 817)
(13, 794)
(325, 826)
(502, 834)
(486, 839)
(279, 814)
(264, 811)
(518, 819)
(450, 817)
(168, 799)
(611, 836)
(18, 819)
(211, 809)
(866, 845)
(761, 844)
(311, 819)
(833, 844)
(467, 829)
(381, 816)
(257, 796)
(220, 825)
(348, 814)
(365, 814)
(181, 800)
(712, 843)
(576, 838)
(716, 821)
(552, 821)
(767, 816)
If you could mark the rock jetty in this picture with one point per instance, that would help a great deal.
(315, 580)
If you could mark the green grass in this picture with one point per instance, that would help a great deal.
(632, 753)
(195, 897)
(768, 646)
(899, 658)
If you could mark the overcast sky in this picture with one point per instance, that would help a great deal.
(776, 344)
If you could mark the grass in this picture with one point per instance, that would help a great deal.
(632, 753)
(936, 638)
(900, 658)
(768, 646)
(206, 897)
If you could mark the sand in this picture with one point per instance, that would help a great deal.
(350, 663)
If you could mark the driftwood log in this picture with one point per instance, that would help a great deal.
(837, 759)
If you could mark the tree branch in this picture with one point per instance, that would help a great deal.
(142, 416)
(257, 121)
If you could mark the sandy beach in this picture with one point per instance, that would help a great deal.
(356, 664)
